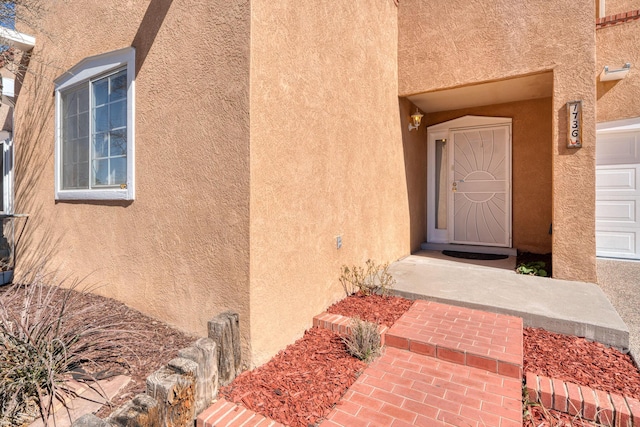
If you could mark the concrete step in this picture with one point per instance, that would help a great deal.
(561, 306)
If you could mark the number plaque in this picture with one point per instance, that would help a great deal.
(574, 112)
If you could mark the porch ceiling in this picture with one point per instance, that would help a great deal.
(496, 92)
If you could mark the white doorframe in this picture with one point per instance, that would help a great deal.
(440, 134)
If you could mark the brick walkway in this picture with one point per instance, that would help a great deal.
(408, 389)
(442, 366)
(223, 413)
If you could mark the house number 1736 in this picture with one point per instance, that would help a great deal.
(574, 110)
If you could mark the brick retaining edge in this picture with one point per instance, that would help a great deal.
(342, 324)
(608, 409)
(616, 19)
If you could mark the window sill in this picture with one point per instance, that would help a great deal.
(113, 194)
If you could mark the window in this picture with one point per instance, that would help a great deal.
(95, 128)
(6, 167)
(8, 14)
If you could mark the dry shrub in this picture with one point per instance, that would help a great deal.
(368, 280)
(47, 334)
(364, 340)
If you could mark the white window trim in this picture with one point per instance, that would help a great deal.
(6, 143)
(86, 69)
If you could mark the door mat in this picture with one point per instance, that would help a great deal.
(474, 255)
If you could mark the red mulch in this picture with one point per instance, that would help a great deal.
(580, 361)
(301, 384)
(384, 310)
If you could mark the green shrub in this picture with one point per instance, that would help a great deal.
(46, 333)
(533, 268)
(364, 340)
(371, 279)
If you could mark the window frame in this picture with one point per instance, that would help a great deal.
(84, 72)
(6, 151)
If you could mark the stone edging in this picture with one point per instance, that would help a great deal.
(608, 409)
(619, 18)
(186, 386)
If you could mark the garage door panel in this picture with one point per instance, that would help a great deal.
(619, 244)
(618, 194)
(617, 211)
(618, 148)
(610, 179)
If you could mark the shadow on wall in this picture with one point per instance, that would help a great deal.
(414, 145)
(148, 29)
(33, 149)
(603, 87)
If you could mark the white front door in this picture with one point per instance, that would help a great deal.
(470, 162)
(480, 187)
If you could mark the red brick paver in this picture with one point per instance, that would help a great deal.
(403, 388)
(446, 366)
(227, 414)
(461, 335)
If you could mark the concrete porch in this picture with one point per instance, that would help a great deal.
(575, 308)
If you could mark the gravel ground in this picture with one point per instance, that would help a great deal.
(620, 280)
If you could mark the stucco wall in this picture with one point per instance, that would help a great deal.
(415, 160)
(531, 167)
(326, 157)
(180, 251)
(617, 45)
(445, 44)
(613, 7)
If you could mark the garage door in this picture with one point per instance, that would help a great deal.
(618, 189)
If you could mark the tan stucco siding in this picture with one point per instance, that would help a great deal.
(613, 7)
(180, 250)
(445, 44)
(617, 45)
(415, 160)
(531, 167)
(326, 157)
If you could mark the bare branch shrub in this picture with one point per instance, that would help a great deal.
(371, 279)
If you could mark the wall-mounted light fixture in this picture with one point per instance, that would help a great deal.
(416, 119)
(619, 74)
